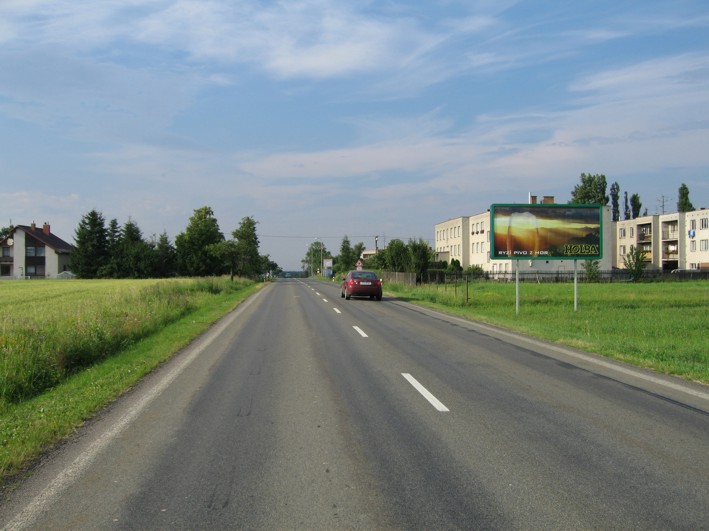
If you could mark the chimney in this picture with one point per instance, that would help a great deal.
(33, 226)
(45, 228)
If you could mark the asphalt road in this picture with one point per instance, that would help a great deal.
(305, 411)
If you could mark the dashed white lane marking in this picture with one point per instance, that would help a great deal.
(324, 300)
(360, 331)
(336, 310)
(426, 394)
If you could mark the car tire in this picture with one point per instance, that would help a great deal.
(342, 294)
(347, 296)
(379, 297)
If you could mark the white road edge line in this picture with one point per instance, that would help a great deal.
(360, 331)
(426, 394)
(69, 475)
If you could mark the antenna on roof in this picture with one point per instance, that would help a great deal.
(661, 201)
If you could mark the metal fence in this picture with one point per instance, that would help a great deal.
(615, 275)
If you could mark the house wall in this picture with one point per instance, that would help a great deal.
(453, 237)
(18, 255)
(696, 237)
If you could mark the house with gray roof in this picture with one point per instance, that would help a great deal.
(29, 251)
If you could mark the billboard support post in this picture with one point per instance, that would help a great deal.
(517, 287)
(576, 286)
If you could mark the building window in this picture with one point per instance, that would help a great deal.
(692, 246)
(39, 251)
(29, 251)
(622, 250)
(6, 251)
(704, 223)
(621, 232)
(704, 245)
(693, 224)
(632, 232)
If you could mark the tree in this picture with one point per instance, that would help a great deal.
(90, 252)
(269, 266)
(314, 256)
(133, 256)
(635, 205)
(194, 254)
(454, 266)
(615, 201)
(165, 257)
(396, 256)
(420, 255)
(347, 258)
(592, 268)
(626, 208)
(358, 249)
(5, 232)
(634, 262)
(228, 252)
(113, 236)
(591, 190)
(683, 203)
(249, 260)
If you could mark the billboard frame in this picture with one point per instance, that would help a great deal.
(573, 250)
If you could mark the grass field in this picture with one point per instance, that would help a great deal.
(661, 326)
(69, 347)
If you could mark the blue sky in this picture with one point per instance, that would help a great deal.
(322, 119)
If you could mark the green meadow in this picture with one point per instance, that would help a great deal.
(662, 326)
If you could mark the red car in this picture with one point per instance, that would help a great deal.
(361, 284)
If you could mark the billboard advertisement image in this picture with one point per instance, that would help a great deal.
(546, 232)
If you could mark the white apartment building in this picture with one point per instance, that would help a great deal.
(670, 241)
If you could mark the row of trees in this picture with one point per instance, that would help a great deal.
(592, 190)
(412, 257)
(113, 251)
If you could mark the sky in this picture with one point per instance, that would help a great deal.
(325, 119)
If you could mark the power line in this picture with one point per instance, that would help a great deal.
(337, 237)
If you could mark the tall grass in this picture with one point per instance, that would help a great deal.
(662, 326)
(52, 329)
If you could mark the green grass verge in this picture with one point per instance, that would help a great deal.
(30, 427)
(660, 326)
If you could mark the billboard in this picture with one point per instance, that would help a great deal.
(546, 232)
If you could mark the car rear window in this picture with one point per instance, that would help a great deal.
(364, 274)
